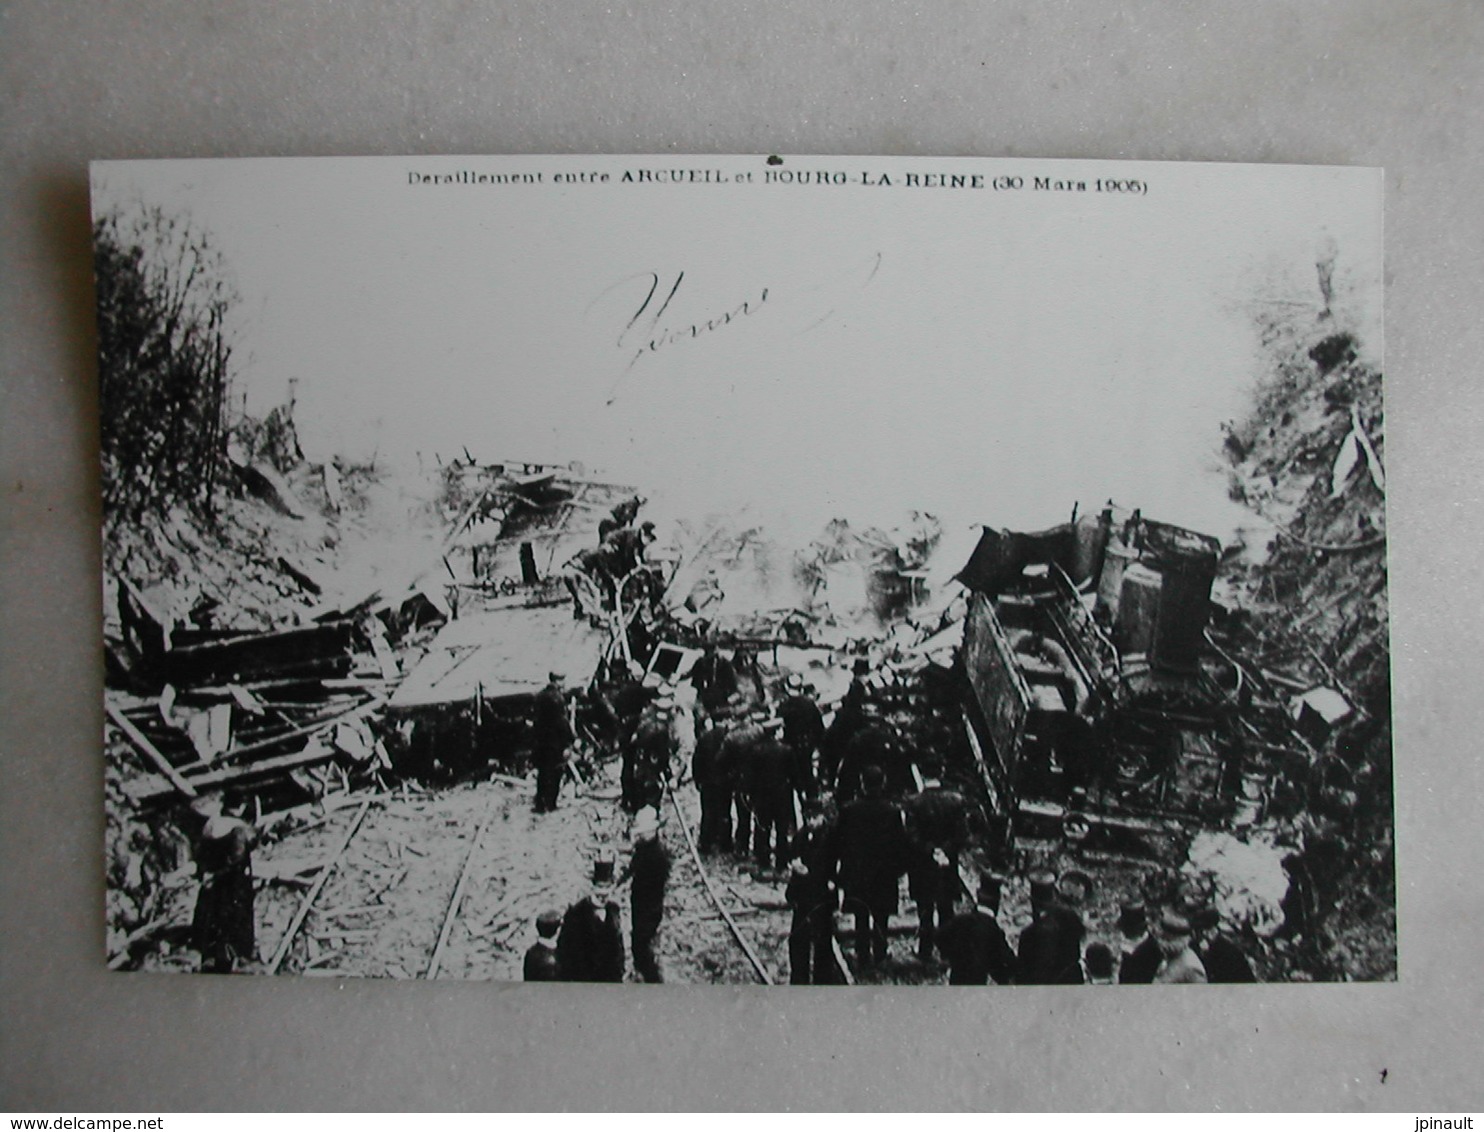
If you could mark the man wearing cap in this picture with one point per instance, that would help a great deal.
(1178, 961)
(621, 516)
(803, 731)
(646, 764)
(541, 957)
(974, 944)
(1050, 948)
(590, 945)
(937, 826)
(223, 928)
(551, 736)
(811, 958)
(870, 854)
(714, 678)
(591, 577)
(649, 871)
(872, 744)
(628, 545)
(714, 784)
(770, 788)
(849, 718)
(736, 756)
(1223, 960)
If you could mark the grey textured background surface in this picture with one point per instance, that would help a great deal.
(1361, 83)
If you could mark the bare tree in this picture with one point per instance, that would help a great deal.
(164, 356)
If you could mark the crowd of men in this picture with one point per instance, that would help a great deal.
(839, 815)
(836, 811)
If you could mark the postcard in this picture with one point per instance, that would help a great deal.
(745, 569)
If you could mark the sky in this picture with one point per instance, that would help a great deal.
(988, 356)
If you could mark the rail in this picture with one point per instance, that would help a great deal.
(695, 856)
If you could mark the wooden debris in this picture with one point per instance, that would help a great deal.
(358, 910)
(149, 750)
(281, 952)
(391, 884)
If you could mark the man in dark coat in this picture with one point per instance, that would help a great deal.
(621, 516)
(551, 736)
(770, 787)
(850, 717)
(934, 886)
(224, 927)
(714, 785)
(811, 935)
(1142, 958)
(626, 546)
(803, 731)
(873, 744)
(870, 855)
(592, 577)
(649, 871)
(1223, 959)
(590, 946)
(541, 957)
(1050, 949)
(1078, 752)
(646, 763)
(714, 679)
(974, 944)
(937, 827)
(736, 755)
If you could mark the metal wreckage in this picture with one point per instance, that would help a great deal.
(1083, 687)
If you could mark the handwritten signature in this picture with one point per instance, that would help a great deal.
(648, 331)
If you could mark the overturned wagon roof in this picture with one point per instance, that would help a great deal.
(506, 652)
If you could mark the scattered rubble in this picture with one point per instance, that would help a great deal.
(1115, 695)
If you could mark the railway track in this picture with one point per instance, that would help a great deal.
(425, 887)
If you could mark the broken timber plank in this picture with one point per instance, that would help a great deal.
(149, 789)
(281, 952)
(840, 965)
(348, 715)
(150, 751)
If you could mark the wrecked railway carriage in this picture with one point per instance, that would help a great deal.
(1105, 717)
(1102, 706)
(430, 672)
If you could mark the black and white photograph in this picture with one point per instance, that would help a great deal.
(762, 570)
